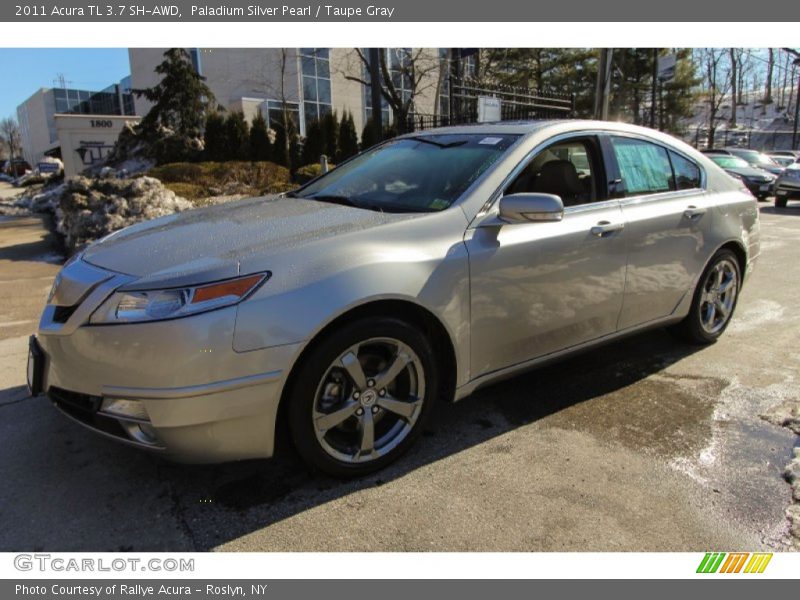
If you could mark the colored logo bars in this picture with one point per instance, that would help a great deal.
(734, 562)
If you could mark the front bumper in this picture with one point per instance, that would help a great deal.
(788, 188)
(760, 188)
(194, 398)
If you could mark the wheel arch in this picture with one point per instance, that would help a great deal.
(405, 310)
(738, 249)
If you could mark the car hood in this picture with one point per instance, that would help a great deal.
(210, 243)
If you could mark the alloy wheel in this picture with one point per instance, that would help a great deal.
(368, 400)
(718, 296)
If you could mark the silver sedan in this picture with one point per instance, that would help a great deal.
(416, 272)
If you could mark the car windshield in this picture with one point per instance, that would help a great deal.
(730, 162)
(426, 173)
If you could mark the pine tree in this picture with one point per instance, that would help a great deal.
(237, 133)
(181, 101)
(260, 146)
(279, 155)
(368, 135)
(215, 137)
(330, 135)
(314, 145)
(348, 139)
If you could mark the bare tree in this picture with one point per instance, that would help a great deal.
(717, 83)
(768, 81)
(405, 74)
(9, 131)
(735, 54)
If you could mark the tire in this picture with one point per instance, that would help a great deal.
(780, 202)
(338, 396)
(704, 325)
(762, 197)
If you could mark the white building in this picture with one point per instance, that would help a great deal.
(37, 115)
(311, 80)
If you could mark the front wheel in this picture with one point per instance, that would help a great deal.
(714, 300)
(362, 396)
(780, 202)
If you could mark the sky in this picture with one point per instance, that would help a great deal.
(25, 70)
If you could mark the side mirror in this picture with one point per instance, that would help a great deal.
(526, 208)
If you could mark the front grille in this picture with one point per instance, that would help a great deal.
(75, 400)
(83, 408)
(61, 314)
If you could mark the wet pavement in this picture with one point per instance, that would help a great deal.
(647, 444)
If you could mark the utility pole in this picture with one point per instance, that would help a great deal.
(603, 87)
(796, 107)
(796, 63)
(654, 92)
(375, 89)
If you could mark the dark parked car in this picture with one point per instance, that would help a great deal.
(782, 160)
(756, 159)
(758, 181)
(795, 154)
(787, 186)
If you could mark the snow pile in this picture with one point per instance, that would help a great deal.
(88, 209)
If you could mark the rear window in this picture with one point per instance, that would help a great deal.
(687, 174)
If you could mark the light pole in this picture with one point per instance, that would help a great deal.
(795, 62)
(796, 106)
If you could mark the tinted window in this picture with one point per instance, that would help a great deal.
(645, 167)
(687, 174)
(564, 169)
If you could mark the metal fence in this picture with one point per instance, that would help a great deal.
(515, 104)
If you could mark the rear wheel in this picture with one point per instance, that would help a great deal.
(714, 300)
(362, 396)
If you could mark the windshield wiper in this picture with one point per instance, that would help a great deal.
(332, 199)
(426, 140)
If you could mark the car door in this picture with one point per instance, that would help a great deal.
(537, 288)
(667, 216)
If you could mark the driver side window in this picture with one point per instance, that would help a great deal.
(567, 169)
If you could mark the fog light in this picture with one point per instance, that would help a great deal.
(141, 432)
(124, 408)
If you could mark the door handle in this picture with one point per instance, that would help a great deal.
(603, 228)
(692, 211)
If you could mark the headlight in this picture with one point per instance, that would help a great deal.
(156, 305)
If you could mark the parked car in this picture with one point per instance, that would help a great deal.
(781, 160)
(416, 272)
(16, 168)
(787, 186)
(760, 182)
(757, 159)
(791, 153)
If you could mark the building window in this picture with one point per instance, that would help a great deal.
(272, 111)
(399, 62)
(316, 68)
(110, 101)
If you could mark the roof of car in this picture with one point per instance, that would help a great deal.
(531, 126)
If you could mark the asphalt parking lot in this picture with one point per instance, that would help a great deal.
(646, 445)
